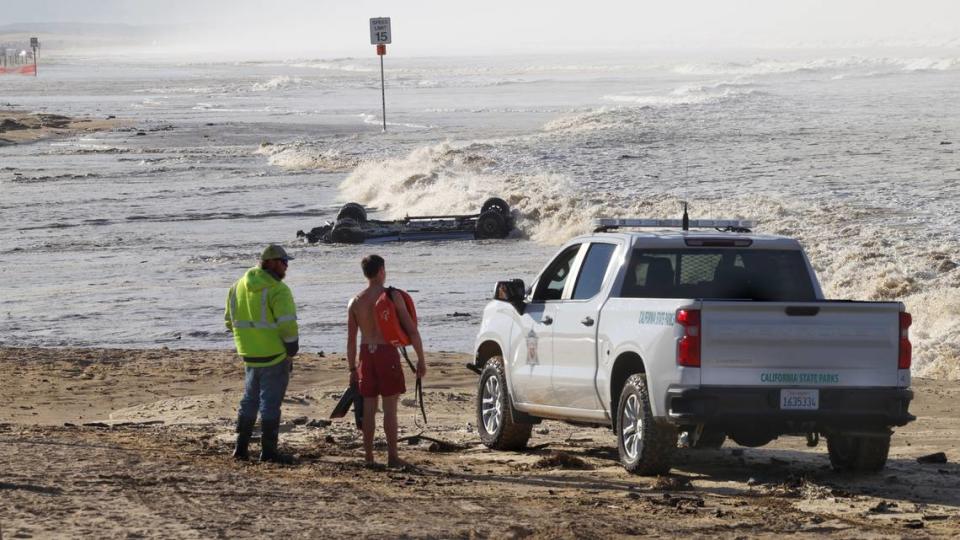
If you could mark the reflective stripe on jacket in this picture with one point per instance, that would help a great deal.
(261, 313)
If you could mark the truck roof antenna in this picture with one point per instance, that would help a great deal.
(686, 218)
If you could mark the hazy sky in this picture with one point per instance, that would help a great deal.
(444, 27)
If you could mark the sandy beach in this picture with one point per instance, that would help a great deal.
(136, 443)
(19, 127)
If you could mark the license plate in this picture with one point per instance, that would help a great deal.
(799, 400)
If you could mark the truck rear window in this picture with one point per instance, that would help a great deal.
(732, 274)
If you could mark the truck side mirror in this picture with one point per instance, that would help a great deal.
(512, 291)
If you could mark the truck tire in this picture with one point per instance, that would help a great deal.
(858, 454)
(497, 204)
(347, 231)
(491, 224)
(353, 211)
(495, 410)
(645, 444)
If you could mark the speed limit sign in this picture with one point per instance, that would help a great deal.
(380, 30)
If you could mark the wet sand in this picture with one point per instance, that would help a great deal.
(135, 443)
(19, 127)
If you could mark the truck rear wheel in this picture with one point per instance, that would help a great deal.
(491, 224)
(645, 444)
(347, 231)
(495, 410)
(353, 211)
(858, 453)
(497, 204)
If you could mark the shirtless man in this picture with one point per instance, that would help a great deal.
(380, 372)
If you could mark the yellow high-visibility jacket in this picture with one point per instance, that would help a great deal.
(261, 313)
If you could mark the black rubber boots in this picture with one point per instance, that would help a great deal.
(244, 431)
(268, 443)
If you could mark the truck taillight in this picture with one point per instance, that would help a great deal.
(688, 347)
(906, 348)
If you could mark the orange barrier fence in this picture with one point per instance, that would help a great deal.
(28, 69)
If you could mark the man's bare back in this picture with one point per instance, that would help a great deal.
(362, 308)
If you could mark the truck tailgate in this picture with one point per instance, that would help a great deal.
(812, 344)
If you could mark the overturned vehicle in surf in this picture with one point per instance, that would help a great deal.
(352, 226)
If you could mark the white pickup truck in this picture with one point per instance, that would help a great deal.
(705, 335)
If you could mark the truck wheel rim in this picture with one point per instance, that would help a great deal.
(491, 410)
(631, 433)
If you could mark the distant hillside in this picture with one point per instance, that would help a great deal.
(61, 37)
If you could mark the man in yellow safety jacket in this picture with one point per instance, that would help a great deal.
(263, 318)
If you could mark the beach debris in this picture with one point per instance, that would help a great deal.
(562, 460)
(688, 503)
(672, 483)
(436, 445)
(937, 457)
(458, 314)
(319, 423)
(882, 507)
(300, 420)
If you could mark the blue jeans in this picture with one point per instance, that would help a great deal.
(263, 389)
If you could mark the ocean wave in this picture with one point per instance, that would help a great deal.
(300, 156)
(625, 114)
(375, 120)
(592, 120)
(777, 67)
(278, 83)
(348, 65)
(687, 95)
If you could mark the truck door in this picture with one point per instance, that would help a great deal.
(575, 331)
(530, 372)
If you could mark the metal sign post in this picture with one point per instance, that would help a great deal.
(35, 44)
(380, 35)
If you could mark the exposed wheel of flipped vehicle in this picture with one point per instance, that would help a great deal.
(353, 211)
(858, 453)
(646, 445)
(495, 411)
(497, 204)
(491, 224)
(347, 231)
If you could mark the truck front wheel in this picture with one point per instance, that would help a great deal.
(495, 421)
(858, 453)
(646, 445)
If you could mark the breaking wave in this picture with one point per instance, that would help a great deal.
(300, 156)
(775, 67)
(690, 94)
(278, 83)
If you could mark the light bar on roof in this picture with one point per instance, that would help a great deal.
(669, 223)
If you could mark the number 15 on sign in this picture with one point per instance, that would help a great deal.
(380, 30)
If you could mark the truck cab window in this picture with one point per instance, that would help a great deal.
(594, 268)
(554, 279)
(740, 274)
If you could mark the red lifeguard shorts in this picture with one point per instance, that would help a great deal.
(380, 371)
